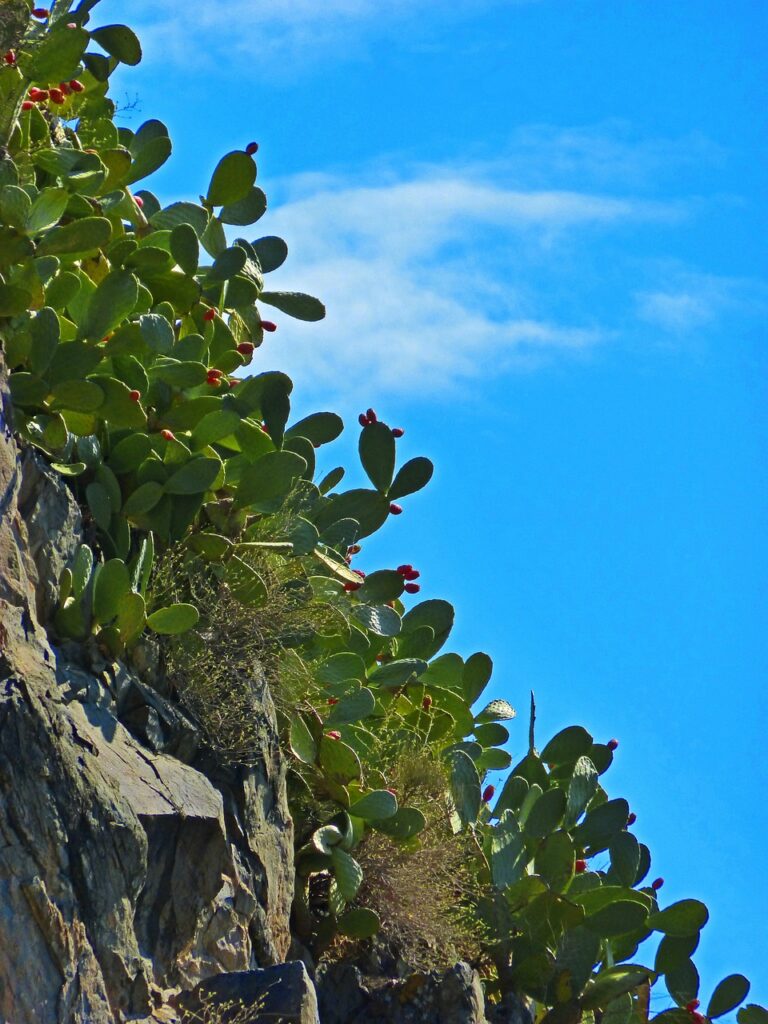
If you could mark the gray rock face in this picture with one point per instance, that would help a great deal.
(125, 874)
(453, 997)
(54, 526)
(282, 994)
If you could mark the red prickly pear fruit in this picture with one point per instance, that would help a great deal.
(427, 703)
(692, 1006)
(371, 414)
(245, 348)
(38, 94)
(414, 574)
(412, 588)
(76, 86)
(27, 105)
(251, 148)
(354, 549)
(234, 382)
(632, 819)
(333, 735)
(404, 569)
(362, 419)
(657, 883)
(333, 700)
(267, 325)
(167, 435)
(57, 96)
(348, 559)
(41, 12)
(213, 382)
(139, 202)
(134, 395)
(213, 373)
(395, 509)
(10, 57)
(612, 744)
(488, 794)
(350, 587)
(360, 573)
(397, 431)
(64, 86)
(208, 315)
(581, 866)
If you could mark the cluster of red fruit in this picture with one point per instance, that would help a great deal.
(55, 94)
(214, 378)
(365, 419)
(266, 325)
(692, 1008)
(351, 585)
(406, 571)
(410, 574)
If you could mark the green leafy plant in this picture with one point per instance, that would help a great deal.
(127, 327)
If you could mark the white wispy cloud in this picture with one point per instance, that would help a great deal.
(424, 279)
(268, 32)
(604, 154)
(692, 301)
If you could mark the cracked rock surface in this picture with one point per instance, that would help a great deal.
(126, 875)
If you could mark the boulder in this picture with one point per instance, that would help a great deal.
(282, 994)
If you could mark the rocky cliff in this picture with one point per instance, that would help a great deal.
(125, 873)
(139, 880)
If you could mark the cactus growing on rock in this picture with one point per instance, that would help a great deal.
(122, 322)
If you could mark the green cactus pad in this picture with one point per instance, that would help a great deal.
(232, 180)
(375, 806)
(175, 619)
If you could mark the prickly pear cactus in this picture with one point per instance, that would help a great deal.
(130, 329)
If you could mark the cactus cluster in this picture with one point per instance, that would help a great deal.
(127, 327)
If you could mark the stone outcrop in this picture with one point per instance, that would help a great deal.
(348, 996)
(283, 994)
(454, 996)
(125, 874)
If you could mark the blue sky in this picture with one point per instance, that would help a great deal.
(539, 229)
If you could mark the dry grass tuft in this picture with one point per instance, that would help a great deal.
(218, 668)
(223, 1013)
(422, 891)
